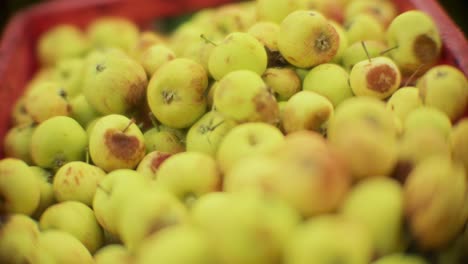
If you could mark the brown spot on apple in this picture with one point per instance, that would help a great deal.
(136, 93)
(158, 160)
(425, 49)
(266, 106)
(122, 146)
(381, 78)
(161, 223)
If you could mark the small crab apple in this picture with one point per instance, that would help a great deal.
(176, 93)
(378, 77)
(417, 41)
(307, 39)
(445, 88)
(238, 51)
(244, 97)
(58, 140)
(206, 135)
(116, 143)
(113, 82)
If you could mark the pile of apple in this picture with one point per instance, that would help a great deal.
(269, 131)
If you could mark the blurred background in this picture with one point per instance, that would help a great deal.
(457, 9)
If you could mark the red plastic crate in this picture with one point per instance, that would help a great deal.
(17, 47)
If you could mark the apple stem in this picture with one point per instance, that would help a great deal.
(216, 126)
(388, 50)
(410, 79)
(208, 40)
(365, 50)
(132, 121)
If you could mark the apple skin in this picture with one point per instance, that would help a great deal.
(112, 194)
(55, 246)
(246, 140)
(19, 234)
(58, 140)
(116, 143)
(17, 142)
(189, 175)
(77, 181)
(113, 83)
(47, 197)
(76, 219)
(112, 254)
(19, 187)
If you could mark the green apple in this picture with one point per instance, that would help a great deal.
(306, 110)
(426, 117)
(113, 83)
(55, 246)
(417, 40)
(378, 77)
(207, 133)
(164, 139)
(276, 10)
(252, 228)
(238, 51)
(445, 88)
(75, 218)
(363, 27)
(82, 111)
(307, 39)
(247, 140)
(46, 100)
(403, 101)
(69, 75)
(313, 179)
(244, 97)
(116, 143)
(47, 197)
(179, 244)
(176, 93)
(112, 193)
(154, 57)
(153, 211)
(189, 175)
(113, 254)
(57, 141)
(17, 142)
(19, 187)
(435, 202)
(61, 42)
(18, 238)
(329, 239)
(113, 32)
(378, 203)
(329, 80)
(77, 181)
(283, 82)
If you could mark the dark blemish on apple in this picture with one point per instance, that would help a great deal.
(65, 74)
(120, 145)
(158, 160)
(425, 49)
(22, 109)
(69, 171)
(168, 96)
(100, 68)
(77, 181)
(252, 139)
(441, 74)
(160, 224)
(136, 93)
(381, 78)
(312, 14)
(62, 93)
